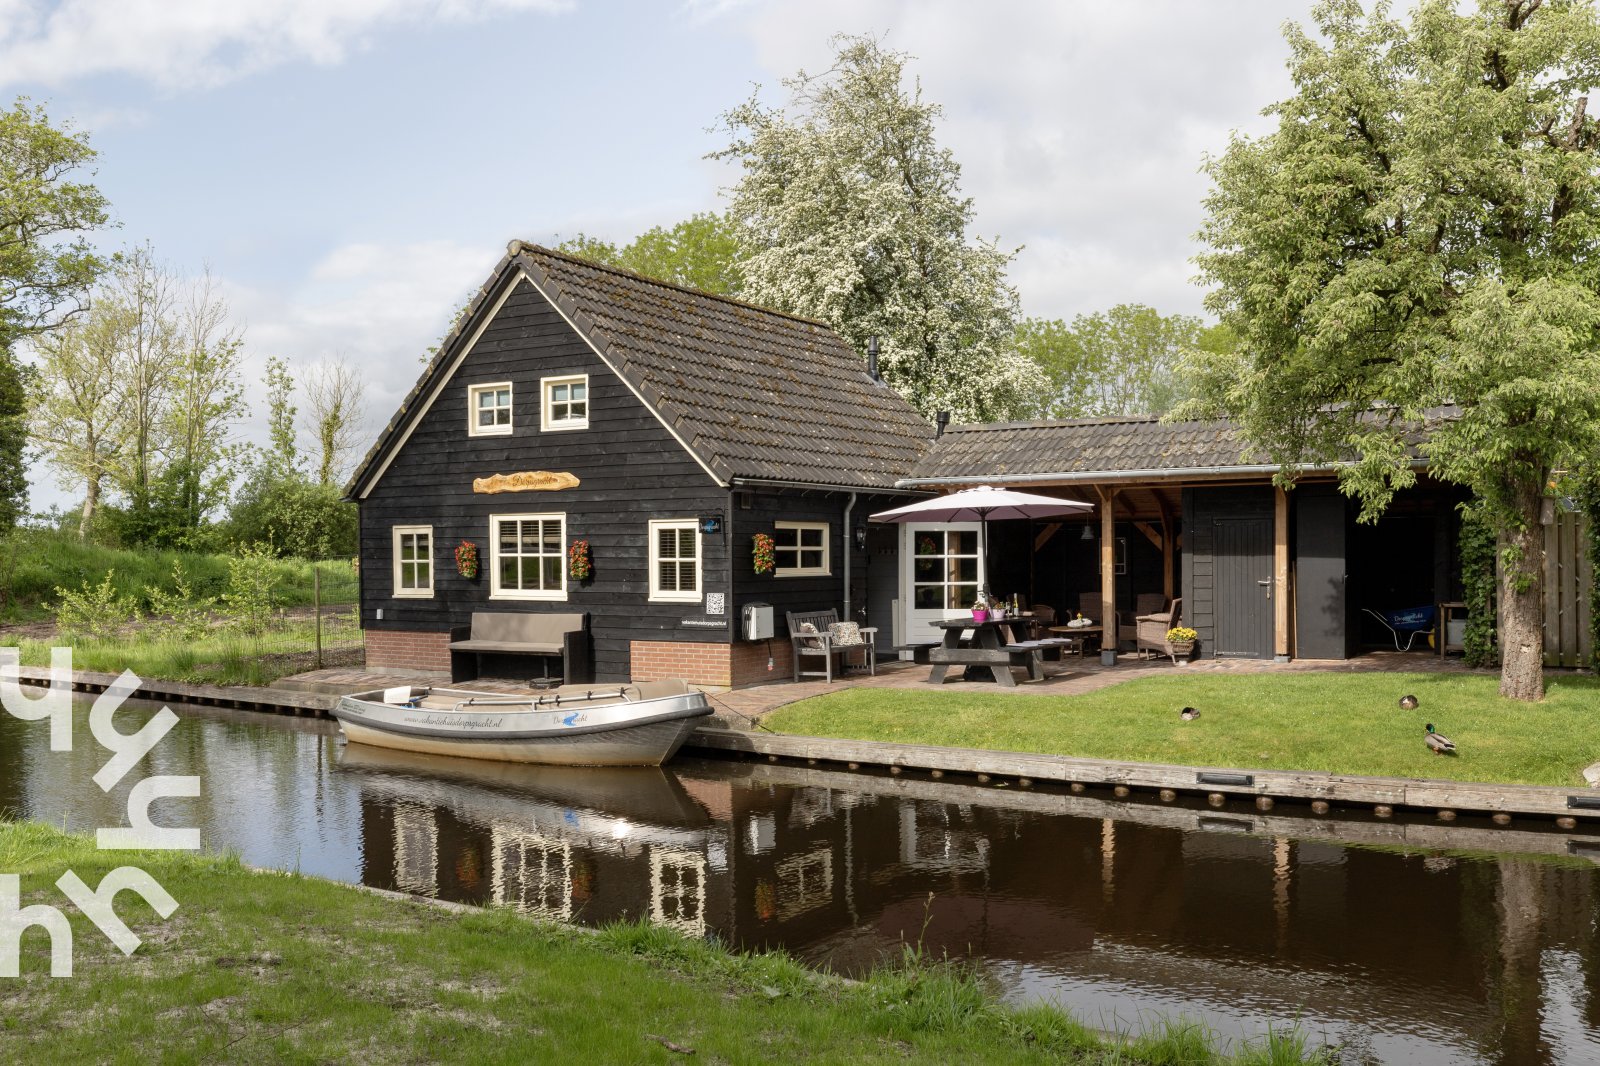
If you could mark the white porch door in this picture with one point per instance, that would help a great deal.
(940, 577)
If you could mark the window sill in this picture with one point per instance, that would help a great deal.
(518, 594)
(413, 594)
(563, 427)
(497, 431)
(671, 597)
(802, 573)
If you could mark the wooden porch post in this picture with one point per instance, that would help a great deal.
(1280, 575)
(1167, 533)
(1108, 577)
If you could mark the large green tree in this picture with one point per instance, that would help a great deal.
(849, 211)
(1415, 244)
(46, 265)
(1125, 361)
(701, 252)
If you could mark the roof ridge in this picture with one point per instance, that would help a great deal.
(1057, 423)
(518, 245)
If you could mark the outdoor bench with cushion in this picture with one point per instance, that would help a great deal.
(564, 637)
(820, 635)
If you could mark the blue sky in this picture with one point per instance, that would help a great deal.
(350, 170)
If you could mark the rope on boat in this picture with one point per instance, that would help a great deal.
(556, 700)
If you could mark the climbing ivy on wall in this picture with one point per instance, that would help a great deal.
(1589, 505)
(1477, 576)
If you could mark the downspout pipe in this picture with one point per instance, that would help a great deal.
(849, 539)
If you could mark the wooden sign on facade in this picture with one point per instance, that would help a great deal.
(525, 481)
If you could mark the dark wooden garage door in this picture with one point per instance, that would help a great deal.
(1243, 554)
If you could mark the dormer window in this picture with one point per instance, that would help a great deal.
(489, 410)
(566, 402)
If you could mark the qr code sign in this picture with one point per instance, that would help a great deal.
(714, 603)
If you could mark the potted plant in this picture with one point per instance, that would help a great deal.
(467, 560)
(761, 553)
(980, 611)
(579, 565)
(1180, 641)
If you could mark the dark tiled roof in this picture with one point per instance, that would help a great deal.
(754, 393)
(1099, 445)
(1114, 447)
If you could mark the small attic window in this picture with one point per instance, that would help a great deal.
(489, 410)
(566, 402)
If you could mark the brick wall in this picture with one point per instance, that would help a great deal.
(699, 664)
(750, 662)
(408, 649)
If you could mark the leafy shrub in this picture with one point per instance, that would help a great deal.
(95, 612)
(178, 613)
(251, 576)
(295, 515)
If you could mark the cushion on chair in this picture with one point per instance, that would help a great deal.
(845, 634)
(812, 642)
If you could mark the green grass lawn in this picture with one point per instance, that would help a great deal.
(257, 967)
(1340, 722)
(223, 656)
(43, 559)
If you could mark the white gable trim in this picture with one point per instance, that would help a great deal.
(455, 364)
(620, 376)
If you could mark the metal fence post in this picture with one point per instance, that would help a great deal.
(316, 603)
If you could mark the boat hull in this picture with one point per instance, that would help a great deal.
(568, 729)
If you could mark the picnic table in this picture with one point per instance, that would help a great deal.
(986, 649)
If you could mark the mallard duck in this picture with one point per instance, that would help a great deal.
(1188, 714)
(1408, 702)
(1438, 743)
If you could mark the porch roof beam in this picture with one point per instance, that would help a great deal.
(1122, 477)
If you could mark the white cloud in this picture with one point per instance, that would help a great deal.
(380, 307)
(1080, 127)
(186, 43)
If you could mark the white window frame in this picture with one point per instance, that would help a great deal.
(659, 595)
(399, 590)
(473, 391)
(559, 425)
(498, 593)
(825, 570)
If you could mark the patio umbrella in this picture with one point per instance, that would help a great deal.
(980, 505)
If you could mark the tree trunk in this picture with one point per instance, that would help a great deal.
(91, 502)
(1522, 602)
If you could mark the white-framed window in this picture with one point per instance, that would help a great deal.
(527, 557)
(800, 549)
(413, 561)
(675, 560)
(489, 409)
(565, 402)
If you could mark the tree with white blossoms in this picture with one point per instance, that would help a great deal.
(1420, 230)
(850, 212)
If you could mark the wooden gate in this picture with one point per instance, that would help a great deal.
(1568, 580)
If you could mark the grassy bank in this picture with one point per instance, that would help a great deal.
(1338, 722)
(44, 559)
(223, 656)
(256, 967)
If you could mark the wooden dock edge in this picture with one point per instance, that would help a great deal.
(1382, 794)
(238, 697)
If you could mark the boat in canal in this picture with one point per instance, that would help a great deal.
(638, 724)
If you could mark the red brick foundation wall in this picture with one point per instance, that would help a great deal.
(698, 664)
(390, 648)
(733, 665)
(750, 662)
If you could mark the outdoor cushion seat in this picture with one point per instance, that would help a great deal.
(514, 647)
(817, 635)
(564, 637)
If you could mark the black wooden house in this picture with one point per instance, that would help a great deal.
(661, 427)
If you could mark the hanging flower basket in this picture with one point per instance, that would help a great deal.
(761, 554)
(579, 565)
(467, 560)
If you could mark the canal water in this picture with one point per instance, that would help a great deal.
(1400, 941)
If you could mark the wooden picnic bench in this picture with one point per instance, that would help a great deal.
(988, 650)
